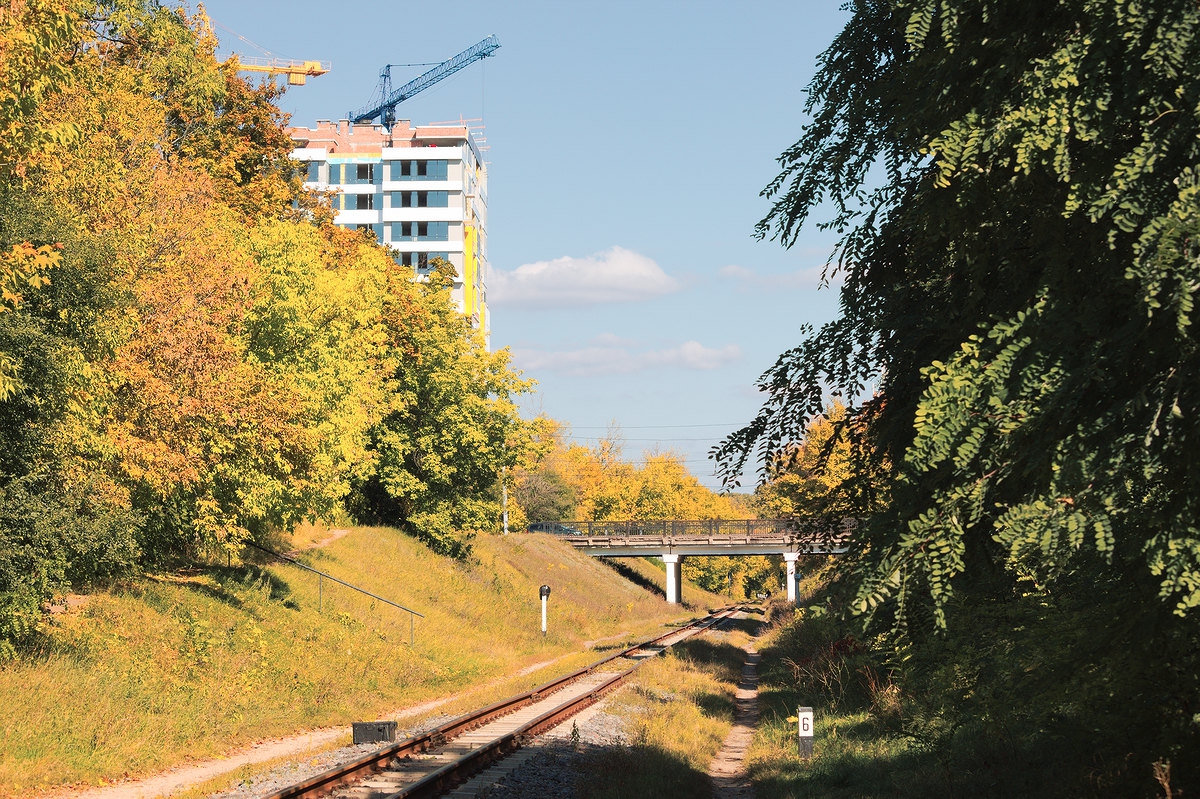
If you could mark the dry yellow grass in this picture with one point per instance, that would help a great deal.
(165, 670)
(678, 711)
(683, 701)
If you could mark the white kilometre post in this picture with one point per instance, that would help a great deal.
(804, 723)
(789, 560)
(674, 586)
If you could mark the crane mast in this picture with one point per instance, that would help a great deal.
(384, 108)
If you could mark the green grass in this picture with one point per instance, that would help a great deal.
(857, 748)
(1034, 696)
(187, 666)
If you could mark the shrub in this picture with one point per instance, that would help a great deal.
(53, 537)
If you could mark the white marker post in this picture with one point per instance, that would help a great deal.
(545, 592)
(804, 722)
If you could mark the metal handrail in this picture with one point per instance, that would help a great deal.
(321, 592)
(804, 527)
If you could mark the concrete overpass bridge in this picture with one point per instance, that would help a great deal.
(674, 539)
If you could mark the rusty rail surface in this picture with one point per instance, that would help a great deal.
(458, 771)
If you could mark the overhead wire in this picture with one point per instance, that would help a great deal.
(648, 426)
(256, 46)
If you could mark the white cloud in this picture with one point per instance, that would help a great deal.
(615, 275)
(736, 272)
(746, 278)
(613, 340)
(607, 360)
(694, 355)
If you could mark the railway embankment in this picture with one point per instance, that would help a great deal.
(194, 664)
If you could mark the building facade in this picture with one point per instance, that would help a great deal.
(422, 190)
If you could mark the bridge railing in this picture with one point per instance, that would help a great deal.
(804, 528)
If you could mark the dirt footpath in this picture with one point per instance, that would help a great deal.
(728, 769)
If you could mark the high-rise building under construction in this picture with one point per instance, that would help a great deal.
(423, 190)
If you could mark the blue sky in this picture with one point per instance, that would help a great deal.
(628, 143)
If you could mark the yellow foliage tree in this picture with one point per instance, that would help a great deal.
(608, 488)
(805, 479)
(222, 358)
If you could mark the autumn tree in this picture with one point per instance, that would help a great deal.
(607, 486)
(193, 361)
(159, 282)
(602, 485)
(37, 41)
(545, 495)
(803, 479)
(49, 533)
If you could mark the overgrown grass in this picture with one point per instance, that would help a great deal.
(184, 666)
(1032, 696)
(678, 711)
(811, 660)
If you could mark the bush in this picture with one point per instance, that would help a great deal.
(53, 537)
(827, 663)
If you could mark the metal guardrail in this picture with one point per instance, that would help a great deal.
(283, 64)
(321, 576)
(805, 528)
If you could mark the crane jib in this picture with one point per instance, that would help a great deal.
(385, 109)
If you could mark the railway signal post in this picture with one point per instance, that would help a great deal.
(545, 593)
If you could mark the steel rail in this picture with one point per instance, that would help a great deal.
(376, 761)
(453, 774)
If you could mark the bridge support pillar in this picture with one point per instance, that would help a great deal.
(674, 584)
(789, 561)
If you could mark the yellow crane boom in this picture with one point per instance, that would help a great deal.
(297, 71)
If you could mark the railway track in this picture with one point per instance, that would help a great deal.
(431, 764)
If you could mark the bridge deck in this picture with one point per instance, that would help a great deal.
(673, 539)
(640, 537)
(746, 544)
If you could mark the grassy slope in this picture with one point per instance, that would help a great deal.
(187, 666)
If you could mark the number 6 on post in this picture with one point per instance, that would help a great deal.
(804, 723)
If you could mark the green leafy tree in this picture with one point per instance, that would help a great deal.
(37, 42)
(195, 362)
(1016, 189)
(451, 424)
(314, 324)
(1019, 260)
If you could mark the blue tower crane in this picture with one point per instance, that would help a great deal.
(383, 105)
